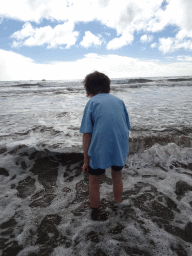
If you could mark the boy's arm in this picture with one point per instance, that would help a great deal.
(86, 144)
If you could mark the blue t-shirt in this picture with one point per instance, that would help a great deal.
(106, 117)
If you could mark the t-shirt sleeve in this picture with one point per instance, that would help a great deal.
(126, 116)
(87, 122)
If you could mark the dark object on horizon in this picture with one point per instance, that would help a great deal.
(43, 79)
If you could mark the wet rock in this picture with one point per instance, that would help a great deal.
(179, 250)
(143, 198)
(154, 205)
(188, 231)
(127, 213)
(116, 230)
(12, 249)
(82, 189)
(135, 251)
(12, 178)
(162, 168)
(120, 239)
(184, 234)
(9, 231)
(72, 172)
(43, 201)
(38, 194)
(66, 190)
(81, 209)
(62, 114)
(146, 186)
(159, 210)
(146, 201)
(47, 172)
(24, 154)
(145, 230)
(181, 188)
(190, 166)
(93, 236)
(148, 176)
(48, 235)
(142, 140)
(96, 252)
(184, 166)
(23, 165)
(47, 165)
(3, 150)
(128, 193)
(45, 250)
(170, 203)
(67, 159)
(16, 149)
(26, 187)
(8, 224)
(3, 172)
(33, 155)
(3, 242)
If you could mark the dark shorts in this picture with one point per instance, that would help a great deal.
(102, 171)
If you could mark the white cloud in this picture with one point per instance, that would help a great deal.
(172, 44)
(184, 58)
(59, 35)
(118, 42)
(27, 30)
(146, 38)
(89, 39)
(125, 15)
(17, 67)
(177, 13)
(103, 3)
(182, 34)
(153, 45)
(14, 66)
(166, 45)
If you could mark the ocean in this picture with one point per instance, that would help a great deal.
(44, 199)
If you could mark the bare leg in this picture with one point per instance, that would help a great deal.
(94, 196)
(117, 185)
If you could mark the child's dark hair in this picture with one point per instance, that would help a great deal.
(96, 82)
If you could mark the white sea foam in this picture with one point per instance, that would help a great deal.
(50, 120)
(76, 228)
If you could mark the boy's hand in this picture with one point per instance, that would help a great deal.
(85, 167)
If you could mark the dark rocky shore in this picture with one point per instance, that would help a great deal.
(132, 227)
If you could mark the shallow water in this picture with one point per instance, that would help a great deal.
(44, 200)
(51, 117)
(44, 205)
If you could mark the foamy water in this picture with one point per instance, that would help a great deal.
(44, 200)
(155, 217)
(52, 116)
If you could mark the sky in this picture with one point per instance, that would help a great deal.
(68, 39)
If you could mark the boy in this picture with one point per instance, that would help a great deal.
(106, 126)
